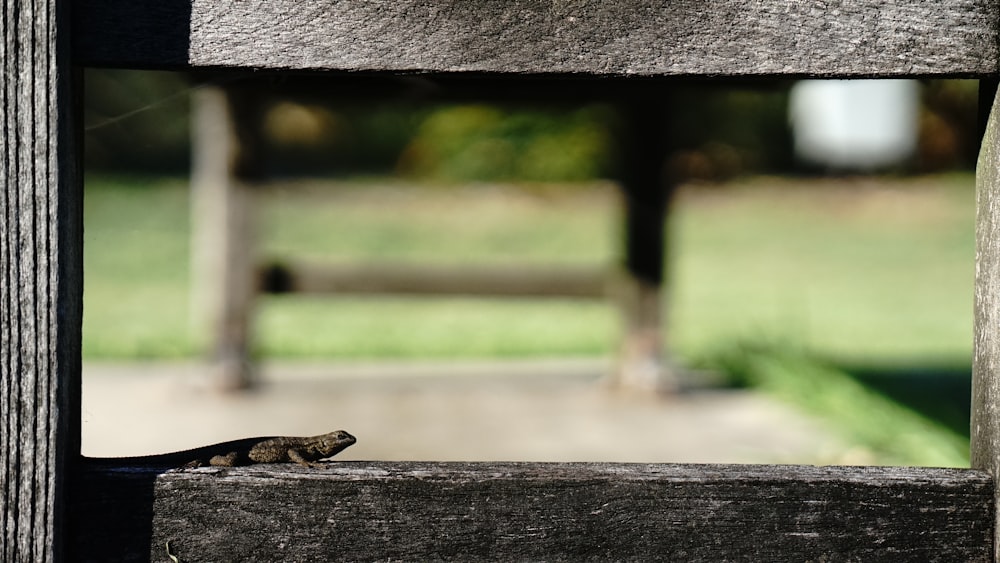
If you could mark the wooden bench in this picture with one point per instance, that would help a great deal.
(228, 173)
(54, 506)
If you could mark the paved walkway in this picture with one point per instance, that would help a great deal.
(554, 410)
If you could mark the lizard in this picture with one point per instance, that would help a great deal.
(305, 451)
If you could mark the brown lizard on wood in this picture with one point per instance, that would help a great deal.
(305, 451)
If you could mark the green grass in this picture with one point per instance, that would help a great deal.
(861, 273)
(893, 433)
(404, 328)
(136, 303)
(878, 272)
(136, 269)
(857, 281)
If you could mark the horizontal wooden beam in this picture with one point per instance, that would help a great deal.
(414, 511)
(586, 37)
(472, 280)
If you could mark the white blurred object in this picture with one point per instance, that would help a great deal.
(854, 124)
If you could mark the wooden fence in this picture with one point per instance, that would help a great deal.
(55, 506)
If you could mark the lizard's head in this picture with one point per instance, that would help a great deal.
(334, 442)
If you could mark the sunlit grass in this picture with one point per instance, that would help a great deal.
(882, 270)
(891, 433)
(874, 272)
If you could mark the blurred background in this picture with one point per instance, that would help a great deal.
(821, 248)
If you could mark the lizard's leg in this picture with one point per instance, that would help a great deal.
(228, 460)
(297, 457)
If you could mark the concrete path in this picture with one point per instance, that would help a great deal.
(539, 410)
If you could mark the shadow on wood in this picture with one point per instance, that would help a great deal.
(624, 38)
(534, 511)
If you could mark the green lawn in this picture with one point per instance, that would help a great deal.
(802, 287)
(879, 271)
(136, 271)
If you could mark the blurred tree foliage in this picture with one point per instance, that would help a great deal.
(721, 132)
(339, 138)
(137, 121)
(482, 142)
(948, 128)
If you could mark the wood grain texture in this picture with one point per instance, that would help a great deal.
(985, 424)
(363, 511)
(594, 37)
(41, 278)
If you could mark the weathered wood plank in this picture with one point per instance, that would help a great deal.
(479, 280)
(985, 424)
(623, 38)
(41, 280)
(364, 511)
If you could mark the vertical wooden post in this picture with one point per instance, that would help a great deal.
(647, 194)
(985, 424)
(41, 281)
(227, 149)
